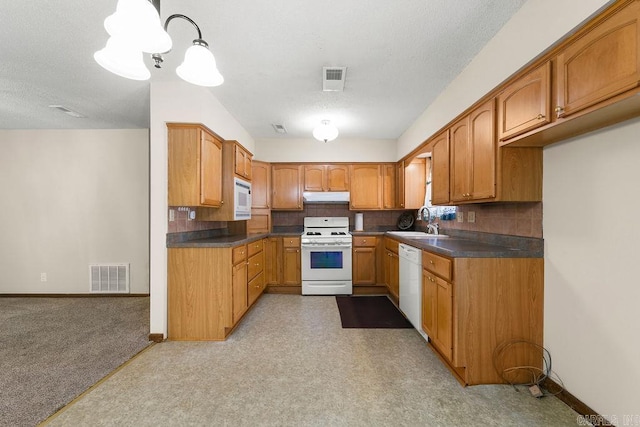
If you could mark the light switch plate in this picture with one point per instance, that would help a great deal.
(471, 216)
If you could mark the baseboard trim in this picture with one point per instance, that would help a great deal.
(156, 337)
(71, 295)
(576, 404)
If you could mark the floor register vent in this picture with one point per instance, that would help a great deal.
(109, 278)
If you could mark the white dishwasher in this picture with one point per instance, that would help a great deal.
(411, 285)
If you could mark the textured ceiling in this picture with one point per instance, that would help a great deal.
(400, 56)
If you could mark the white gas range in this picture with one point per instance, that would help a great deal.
(326, 256)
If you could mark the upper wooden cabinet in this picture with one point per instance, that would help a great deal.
(415, 182)
(526, 103)
(601, 63)
(326, 177)
(260, 185)
(473, 155)
(242, 162)
(400, 184)
(440, 169)
(389, 188)
(286, 186)
(366, 186)
(194, 166)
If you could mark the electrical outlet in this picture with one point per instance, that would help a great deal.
(43, 277)
(471, 216)
(172, 214)
(460, 216)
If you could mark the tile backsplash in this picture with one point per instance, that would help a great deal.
(516, 219)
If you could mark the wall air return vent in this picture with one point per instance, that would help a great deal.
(109, 278)
(333, 78)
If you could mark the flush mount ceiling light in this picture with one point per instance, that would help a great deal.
(135, 28)
(325, 131)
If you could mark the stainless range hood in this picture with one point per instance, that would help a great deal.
(325, 196)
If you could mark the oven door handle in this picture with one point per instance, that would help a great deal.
(325, 245)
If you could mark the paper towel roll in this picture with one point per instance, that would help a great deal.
(359, 222)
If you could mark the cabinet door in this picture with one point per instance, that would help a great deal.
(242, 163)
(460, 161)
(415, 181)
(601, 64)
(525, 104)
(314, 177)
(483, 145)
(337, 178)
(286, 181)
(389, 186)
(366, 187)
(273, 260)
(260, 185)
(364, 265)
(255, 288)
(291, 266)
(400, 184)
(440, 170)
(210, 170)
(239, 290)
(444, 325)
(429, 308)
(394, 275)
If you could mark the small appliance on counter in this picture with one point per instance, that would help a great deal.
(406, 220)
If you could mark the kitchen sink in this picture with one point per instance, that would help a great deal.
(416, 234)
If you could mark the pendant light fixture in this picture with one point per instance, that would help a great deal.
(325, 131)
(135, 28)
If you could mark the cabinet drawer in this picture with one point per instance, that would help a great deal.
(255, 247)
(255, 288)
(255, 265)
(437, 264)
(239, 254)
(365, 241)
(291, 242)
(391, 244)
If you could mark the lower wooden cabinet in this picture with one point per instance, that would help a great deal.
(471, 306)
(282, 262)
(364, 260)
(210, 289)
(392, 268)
(291, 261)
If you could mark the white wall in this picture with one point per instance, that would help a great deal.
(177, 102)
(339, 150)
(592, 289)
(72, 198)
(536, 26)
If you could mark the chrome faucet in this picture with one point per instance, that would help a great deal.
(430, 228)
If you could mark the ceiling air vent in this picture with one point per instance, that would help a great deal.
(68, 111)
(333, 78)
(279, 128)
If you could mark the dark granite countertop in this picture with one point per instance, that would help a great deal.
(459, 244)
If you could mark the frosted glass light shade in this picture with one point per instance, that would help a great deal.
(325, 131)
(123, 59)
(199, 66)
(139, 22)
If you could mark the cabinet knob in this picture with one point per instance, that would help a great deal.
(431, 261)
(222, 202)
(297, 250)
(541, 116)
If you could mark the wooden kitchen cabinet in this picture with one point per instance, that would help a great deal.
(210, 289)
(392, 268)
(602, 63)
(389, 197)
(239, 282)
(194, 166)
(273, 260)
(242, 162)
(291, 261)
(364, 260)
(366, 186)
(326, 177)
(287, 186)
(400, 184)
(525, 104)
(415, 183)
(440, 169)
(260, 221)
(473, 155)
(470, 306)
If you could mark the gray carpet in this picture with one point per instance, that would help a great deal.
(53, 349)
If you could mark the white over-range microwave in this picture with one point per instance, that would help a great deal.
(241, 199)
